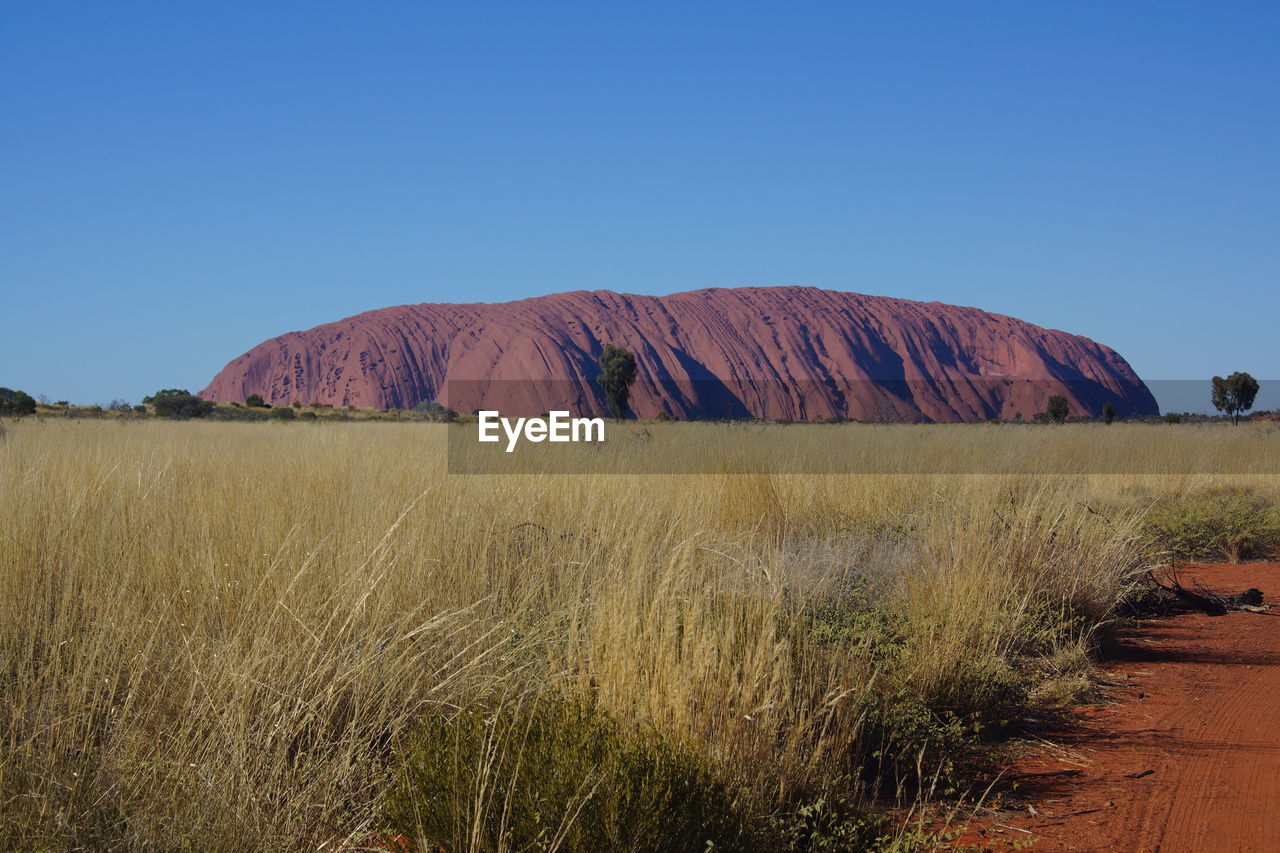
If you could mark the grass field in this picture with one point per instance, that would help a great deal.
(226, 636)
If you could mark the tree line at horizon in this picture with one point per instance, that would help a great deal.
(1233, 395)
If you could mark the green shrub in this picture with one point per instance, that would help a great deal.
(178, 403)
(255, 401)
(1057, 409)
(16, 402)
(283, 413)
(907, 739)
(1223, 523)
(841, 825)
(554, 775)
(617, 373)
(433, 411)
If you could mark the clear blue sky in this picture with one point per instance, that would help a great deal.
(182, 180)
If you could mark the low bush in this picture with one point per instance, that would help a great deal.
(237, 413)
(16, 402)
(433, 411)
(1227, 523)
(838, 825)
(555, 775)
(179, 404)
(905, 741)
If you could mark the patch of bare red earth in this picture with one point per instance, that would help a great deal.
(1184, 755)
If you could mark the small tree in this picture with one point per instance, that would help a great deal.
(433, 411)
(1234, 395)
(178, 403)
(16, 402)
(1108, 413)
(618, 368)
(428, 409)
(1057, 409)
(255, 401)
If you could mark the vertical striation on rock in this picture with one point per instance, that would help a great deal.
(793, 353)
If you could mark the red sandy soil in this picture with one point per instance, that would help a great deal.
(1185, 755)
(794, 353)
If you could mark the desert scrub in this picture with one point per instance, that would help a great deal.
(232, 667)
(553, 775)
(874, 631)
(840, 825)
(993, 604)
(1223, 523)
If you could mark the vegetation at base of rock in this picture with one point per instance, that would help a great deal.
(256, 409)
(433, 411)
(617, 373)
(178, 403)
(1057, 409)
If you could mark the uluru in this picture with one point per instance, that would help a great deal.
(784, 353)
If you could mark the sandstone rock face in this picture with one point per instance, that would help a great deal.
(793, 353)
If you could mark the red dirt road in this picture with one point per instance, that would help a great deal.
(1185, 757)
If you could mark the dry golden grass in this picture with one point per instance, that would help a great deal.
(218, 636)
